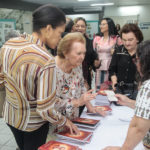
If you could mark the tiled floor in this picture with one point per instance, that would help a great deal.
(7, 141)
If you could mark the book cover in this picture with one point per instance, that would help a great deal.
(102, 92)
(105, 108)
(111, 96)
(55, 145)
(82, 136)
(86, 121)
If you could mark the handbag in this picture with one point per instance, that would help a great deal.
(128, 89)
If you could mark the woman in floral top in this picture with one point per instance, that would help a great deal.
(70, 82)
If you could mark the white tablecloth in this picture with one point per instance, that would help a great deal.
(113, 129)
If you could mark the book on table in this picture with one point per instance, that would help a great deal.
(86, 122)
(83, 136)
(56, 145)
(104, 108)
(109, 93)
(102, 100)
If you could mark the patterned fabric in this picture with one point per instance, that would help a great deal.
(69, 86)
(143, 108)
(103, 49)
(28, 72)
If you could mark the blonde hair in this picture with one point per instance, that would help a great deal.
(65, 43)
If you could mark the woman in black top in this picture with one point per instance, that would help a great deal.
(122, 69)
(91, 61)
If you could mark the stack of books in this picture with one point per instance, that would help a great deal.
(104, 108)
(55, 145)
(86, 123)
(102, 100)
(82, 137)
(105, 97)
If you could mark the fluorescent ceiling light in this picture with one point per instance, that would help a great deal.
(83, 0)
(84, 9)
(102, 4)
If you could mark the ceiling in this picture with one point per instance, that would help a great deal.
(69, 6)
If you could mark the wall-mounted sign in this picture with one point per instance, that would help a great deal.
(5, 26)
(92, 28)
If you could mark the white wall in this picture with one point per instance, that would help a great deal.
(142, 13)
(87, 17)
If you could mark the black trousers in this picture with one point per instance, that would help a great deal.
(30, 140)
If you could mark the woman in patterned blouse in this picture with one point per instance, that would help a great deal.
(70, 82)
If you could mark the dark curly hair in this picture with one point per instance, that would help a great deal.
(112, 30)
(132, 28)
(143, 53)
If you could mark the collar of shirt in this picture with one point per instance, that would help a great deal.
(34, 40)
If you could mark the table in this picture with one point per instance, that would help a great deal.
(112, 131)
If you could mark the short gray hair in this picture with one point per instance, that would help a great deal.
(12, 34)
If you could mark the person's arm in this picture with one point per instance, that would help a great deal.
(125, 101)
(136, 132)
(113, 69)
(46, 98)
(1, 70)
(93, 109)
(114, 81)
(46, 95)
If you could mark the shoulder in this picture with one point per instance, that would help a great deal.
(143, 101)
(144, 92)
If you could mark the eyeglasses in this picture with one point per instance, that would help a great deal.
(82, 26)
(103, 24)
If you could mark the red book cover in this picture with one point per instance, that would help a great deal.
(102, 92)
(86, 121)
(82, 136)
(105, 108)
(55, 145)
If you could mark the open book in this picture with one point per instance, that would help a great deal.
(55, 145)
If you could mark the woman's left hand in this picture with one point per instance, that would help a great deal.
(100, 112)
(97, 63)
(92, 109)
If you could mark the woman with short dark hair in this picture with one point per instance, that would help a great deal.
(122, 69)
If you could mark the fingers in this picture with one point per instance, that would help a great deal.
(101, 112)
(76, 130)
(89, 91)
(73, 128)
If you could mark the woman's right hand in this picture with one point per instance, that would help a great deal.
(122, 99)
(113, 86)
(86, 97)
(72, 127)
(125, 101)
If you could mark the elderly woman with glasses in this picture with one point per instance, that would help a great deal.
(122, 68)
